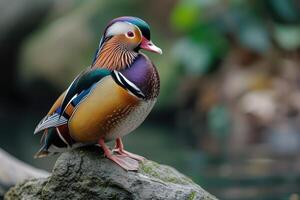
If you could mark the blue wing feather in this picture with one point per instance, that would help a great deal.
(83, 82)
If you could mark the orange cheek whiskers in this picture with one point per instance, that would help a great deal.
(115, 56)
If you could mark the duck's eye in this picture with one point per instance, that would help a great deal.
(130, 34)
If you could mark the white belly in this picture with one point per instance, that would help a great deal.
(132, 121)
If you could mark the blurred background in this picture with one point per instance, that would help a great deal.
(228, 114)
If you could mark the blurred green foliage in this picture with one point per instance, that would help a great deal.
(220, 43)
(210, 28)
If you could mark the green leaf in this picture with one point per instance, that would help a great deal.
(285, 10)
(254, 36)
(288, 37)
(184, 16)
(195, 58)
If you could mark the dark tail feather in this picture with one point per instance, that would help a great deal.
(50, 137)
(43, 152)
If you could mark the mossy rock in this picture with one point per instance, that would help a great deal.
(85, 174)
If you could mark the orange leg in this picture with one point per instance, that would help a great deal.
(122, 160)
(119, 148)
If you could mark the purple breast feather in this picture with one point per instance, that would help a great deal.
(144, 75)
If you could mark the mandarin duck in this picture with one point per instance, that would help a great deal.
(109, 99)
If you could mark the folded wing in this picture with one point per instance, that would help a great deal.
(78, 89)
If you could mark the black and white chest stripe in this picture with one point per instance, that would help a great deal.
(121, 80)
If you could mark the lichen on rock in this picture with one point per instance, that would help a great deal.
(84, 174)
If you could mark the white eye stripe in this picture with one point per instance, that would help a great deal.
(120, 28)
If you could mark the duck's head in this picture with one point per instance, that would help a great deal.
(125, 35)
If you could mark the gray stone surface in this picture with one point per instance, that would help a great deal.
(13, 171)
(85, 174)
